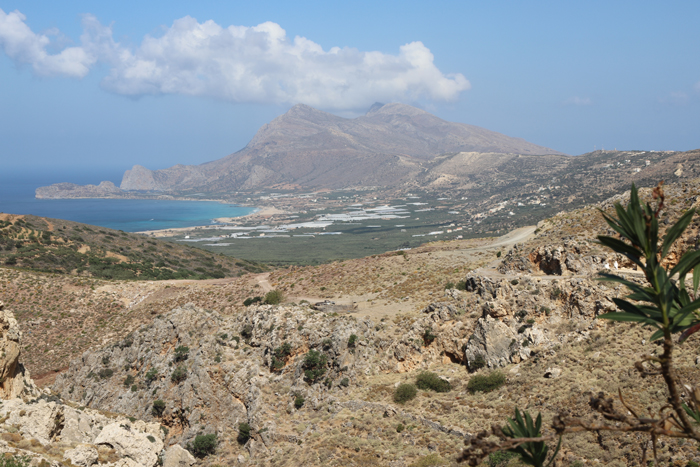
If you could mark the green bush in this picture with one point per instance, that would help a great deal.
(279, 356)
(400, 428)
(151, 375)
(428, 380)
(181, 353)
(428, 336)
(247, 331)
(314, 366)
(299, 401)
(243, 432)
(128, 381)
(404, 393)
(345, 382)
(274, 297)
(488, 383)
(449, 285)
(204, 445)
(158, 408)
(179, 375)
(15, 461)
(352, 340)
(106, 373)
(477, 363)
(251, 301)
(500, 458)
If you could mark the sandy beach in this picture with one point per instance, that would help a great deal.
(260, 214)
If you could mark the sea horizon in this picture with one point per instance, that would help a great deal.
(17, 190)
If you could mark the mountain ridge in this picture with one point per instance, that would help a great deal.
(309, 148)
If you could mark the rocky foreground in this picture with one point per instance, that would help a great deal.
(290, 385)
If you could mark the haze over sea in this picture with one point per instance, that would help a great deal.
(130, 215)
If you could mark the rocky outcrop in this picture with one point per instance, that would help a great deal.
(71, 190)
(82, 433)
(175, 456)
(14, 378)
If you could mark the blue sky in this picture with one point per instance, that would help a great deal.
(106, 85)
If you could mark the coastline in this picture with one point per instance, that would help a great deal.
(258, 214)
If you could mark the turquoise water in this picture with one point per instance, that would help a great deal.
(129, 215)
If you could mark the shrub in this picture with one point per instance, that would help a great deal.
(247, 331)
(299, 401)
(251, 301)
(158, 408)
(345, 382)
(15, 461)
(274, 297)
(106, 373)
(179, 375)
(488, 383)
(151, 375)
(404, 393)
(515, 282)
(181, 353)
(279, 356)
(461, 285)
(477, 363)
(204, 445)
(400, 428)
(498, 254)
(128, 381)
(314, 366)
(428, 336)
(449, 285)
(500, 458)
(134, 388)
(352, 340)
(243, 432)
(428, 380)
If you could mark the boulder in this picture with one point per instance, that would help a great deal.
(135, 445)
(494, 342)
(82, 455)
(176, 456)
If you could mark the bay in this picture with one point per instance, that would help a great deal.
(130, 215)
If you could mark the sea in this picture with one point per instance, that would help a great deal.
(130, 215)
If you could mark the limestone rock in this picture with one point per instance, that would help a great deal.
(135, 445)
(82, 455)
(14, 378)
(176, 456)
(42, 420)
(494, 342)
(552, 372)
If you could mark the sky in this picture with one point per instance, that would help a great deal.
(87, 85)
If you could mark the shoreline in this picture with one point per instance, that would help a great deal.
(264, 212)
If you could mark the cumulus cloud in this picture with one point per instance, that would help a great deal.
(241, 64)
(575, 100)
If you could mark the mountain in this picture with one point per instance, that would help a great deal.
(306, 147)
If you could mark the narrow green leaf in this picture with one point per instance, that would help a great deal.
(657, 335)
(675, 231)
(624, 316)
(688, 262)
(696, 280)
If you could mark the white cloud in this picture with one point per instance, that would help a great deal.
(26, 47)
(575, 100)
(240, 64)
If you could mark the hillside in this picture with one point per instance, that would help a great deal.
(65, 247)
(525, 304)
